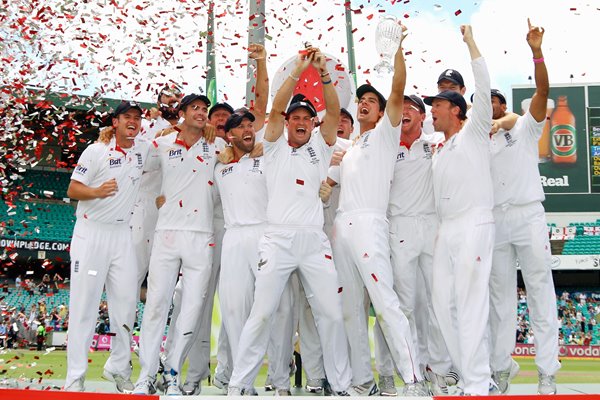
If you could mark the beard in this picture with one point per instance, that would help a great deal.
(169, 113)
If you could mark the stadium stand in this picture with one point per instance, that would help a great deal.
(38, 220)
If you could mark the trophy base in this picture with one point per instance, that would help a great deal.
(384, 67)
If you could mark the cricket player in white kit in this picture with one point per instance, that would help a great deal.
(145, 213)
(310, 344)
(105, 181)
(521, 234)
(243, 190)
(183, 240)
(413, 228)
(462, 258)
(294, 239)
(361, 233)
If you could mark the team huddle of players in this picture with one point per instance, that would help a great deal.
(302, 230)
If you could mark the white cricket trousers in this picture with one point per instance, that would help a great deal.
(102, 256)
(310, 343)
(411, 244)
(236, 295)
(199, 354)
(522, 234)
(283, 250)
(192, 252)
(362, 252)
(143, 223)
(462, 261)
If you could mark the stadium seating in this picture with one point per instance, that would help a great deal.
(46, 184)
(39, 221)
(580, 238)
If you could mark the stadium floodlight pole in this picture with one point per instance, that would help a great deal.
(211, 70)
(350, 41)
(256, 34)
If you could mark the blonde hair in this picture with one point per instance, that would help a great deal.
(106, 135)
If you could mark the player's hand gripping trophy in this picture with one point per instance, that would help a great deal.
(387, 39)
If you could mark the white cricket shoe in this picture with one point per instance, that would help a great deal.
(123, 385)
(146, 386)
(546, 384)
(387, 386)
(502, 379)
(76, 385)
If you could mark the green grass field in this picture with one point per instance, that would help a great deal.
(53, 365)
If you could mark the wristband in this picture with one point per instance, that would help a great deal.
(294, 78)
(538, 60)
(326, 82)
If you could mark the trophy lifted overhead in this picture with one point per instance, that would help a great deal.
(387, 39)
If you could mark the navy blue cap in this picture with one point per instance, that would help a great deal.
(300, 101)
(366, 88)
(126, 106)
(453, 97)
(347, 113)
(497, 93)
(187, 100)
(453, 76)
(236, 118)
(417, 101)
(223, 106)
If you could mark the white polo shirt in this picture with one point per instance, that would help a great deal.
(411, 193)
(242, 187)
(101, 162)
(151, 181)
(461, 168)
(367, 170)
(294, 177)
(515, 171)
(187, 182)
(330, 208)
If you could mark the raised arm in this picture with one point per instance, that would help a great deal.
(258, 53)
(395, 101)
(331, 119)
(277, 115)
(539, 101)
(481, 113)
(467, 33)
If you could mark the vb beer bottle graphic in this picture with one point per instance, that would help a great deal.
(563, 134)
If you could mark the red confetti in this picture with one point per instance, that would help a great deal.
(365, 255)
(299, 182)
(327, 256)
(200, 158)
(370, 17)
(374, 277)
(180, 203)
(478, 258)
(340, 289)
(457, 12)
(210, 183)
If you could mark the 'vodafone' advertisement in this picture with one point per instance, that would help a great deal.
(102, 342)
(525, 350)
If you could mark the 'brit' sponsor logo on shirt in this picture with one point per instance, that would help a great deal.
(227, 170)
(114, 162)
(80, 169)
(400, 156)
(174, 153)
